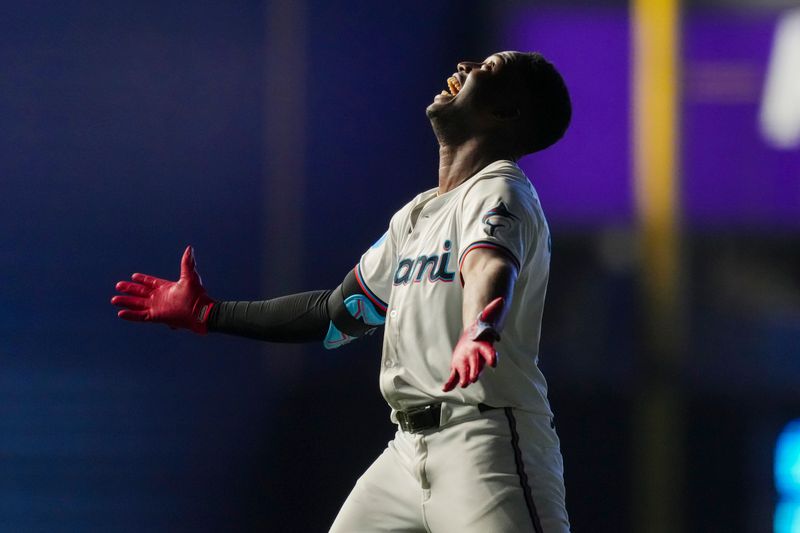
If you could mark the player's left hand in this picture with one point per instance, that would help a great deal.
(475, 347)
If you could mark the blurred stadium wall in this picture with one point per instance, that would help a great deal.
(278, 138)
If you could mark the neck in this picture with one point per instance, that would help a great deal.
(458, 163)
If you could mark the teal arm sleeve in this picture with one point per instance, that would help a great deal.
(353, 314)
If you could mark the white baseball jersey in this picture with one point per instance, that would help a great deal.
(413, 272)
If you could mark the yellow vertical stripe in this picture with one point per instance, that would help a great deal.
(658, 421)
(655, 29)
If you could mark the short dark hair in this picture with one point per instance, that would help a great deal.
(551, 109)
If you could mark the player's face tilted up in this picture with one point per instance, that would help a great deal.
(482, 98)
(513, 100)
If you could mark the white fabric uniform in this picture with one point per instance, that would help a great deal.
(495, 471)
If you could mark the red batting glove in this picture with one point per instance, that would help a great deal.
(475, 347)
(178, 304)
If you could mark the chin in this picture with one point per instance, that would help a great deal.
(438, 107)
(432, 110)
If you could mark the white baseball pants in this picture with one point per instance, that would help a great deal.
(499, 471)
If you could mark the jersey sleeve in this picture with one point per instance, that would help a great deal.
(497, 213)
(375, 269)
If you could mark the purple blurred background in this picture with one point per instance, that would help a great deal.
(732, 175)
(586, 179)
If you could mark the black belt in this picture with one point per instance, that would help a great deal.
(426, 417)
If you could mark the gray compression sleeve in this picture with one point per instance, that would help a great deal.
(295, 318)
(303, 317)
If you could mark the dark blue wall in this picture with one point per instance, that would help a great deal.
(128, 130)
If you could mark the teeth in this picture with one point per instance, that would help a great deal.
(454, 85)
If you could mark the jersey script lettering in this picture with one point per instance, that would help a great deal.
(414, 269)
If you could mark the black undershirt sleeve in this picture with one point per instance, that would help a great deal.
(302, 317)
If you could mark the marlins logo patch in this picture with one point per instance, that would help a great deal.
(496, 218)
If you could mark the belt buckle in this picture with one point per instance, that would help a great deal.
(412, 423)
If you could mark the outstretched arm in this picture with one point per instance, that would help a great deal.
(489, 276)
(336, 316)
(299, 317)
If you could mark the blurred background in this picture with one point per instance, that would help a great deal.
(278, 138)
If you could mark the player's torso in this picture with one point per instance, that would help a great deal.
(424, 318)
(425, 300)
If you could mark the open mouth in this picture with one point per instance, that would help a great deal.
(453, 85)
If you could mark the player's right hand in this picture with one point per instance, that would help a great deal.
(178, 304)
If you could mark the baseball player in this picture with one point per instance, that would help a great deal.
(458, 282)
